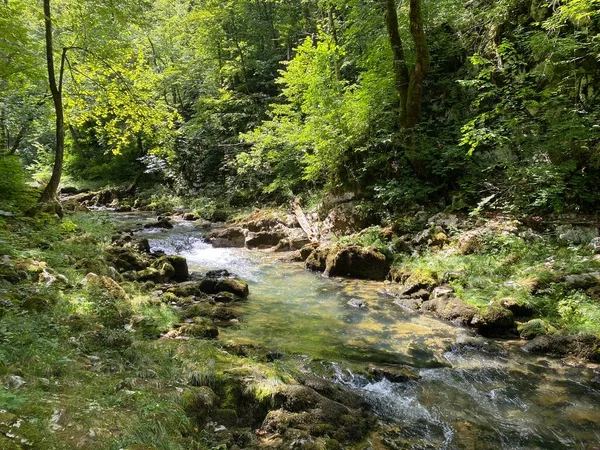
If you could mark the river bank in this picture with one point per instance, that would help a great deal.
(294, 326)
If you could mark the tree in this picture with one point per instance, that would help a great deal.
(56, 90)
(408, 82)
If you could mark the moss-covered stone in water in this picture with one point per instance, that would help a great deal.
(357, 262)
(317, 260)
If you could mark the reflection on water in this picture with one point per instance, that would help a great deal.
(465, 399)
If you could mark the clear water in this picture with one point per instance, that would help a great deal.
(465, 399)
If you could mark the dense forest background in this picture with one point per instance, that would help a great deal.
(463, 104)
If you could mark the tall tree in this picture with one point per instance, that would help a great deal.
(408, 81)
(56, 91)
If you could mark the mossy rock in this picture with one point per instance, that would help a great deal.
(227, 417)
(534, 328)
(494, 321)
(105, 286)
(317, 260)
(584, 346)
(199, 402)
(112, 339)
(423, 277)
(179, 264)
(357, 262)
(219, 313)
(211, 286)
(201, 328)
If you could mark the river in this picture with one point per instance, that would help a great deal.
(466, 398)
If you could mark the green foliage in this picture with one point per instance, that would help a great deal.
(15, 194)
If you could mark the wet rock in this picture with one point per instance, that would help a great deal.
(317, 260)
(396, 373)
(478, 343)
(357, 303)
(236, 287)
(225, 297)
(263, 239)
(357, 262)
(190, 217)
(534, 328)
(584, 346)
(210, 286)
(494, 321)
(227, 238)
(221, 273)
(162, 222)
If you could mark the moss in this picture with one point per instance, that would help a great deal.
(534, 328)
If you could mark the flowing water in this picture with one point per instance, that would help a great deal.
(466, 398)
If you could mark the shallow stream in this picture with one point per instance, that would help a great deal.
(466, 398)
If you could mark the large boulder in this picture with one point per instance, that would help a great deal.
(494, 321)
(228, 238)
(451, 309)
(180, 266)
(161, 222)
(210, 286)
(317, 259)
(264, 239)
(357, 262)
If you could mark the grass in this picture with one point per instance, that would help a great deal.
(89, 383)
(528, 271)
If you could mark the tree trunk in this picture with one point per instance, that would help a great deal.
(56, 91)
(415, 87)
(401, 76)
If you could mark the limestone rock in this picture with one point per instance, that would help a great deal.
(228, 238)
(357, 262)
